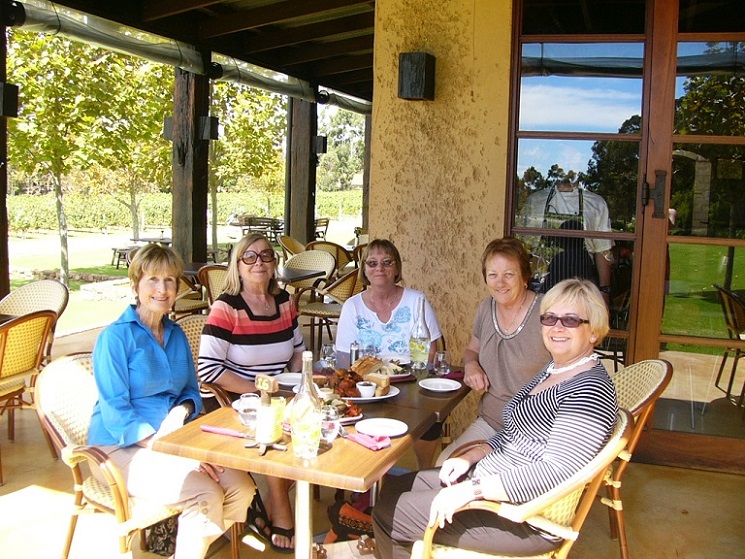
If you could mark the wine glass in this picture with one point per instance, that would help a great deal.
(328, 355)
(442, 363)
(330, 424)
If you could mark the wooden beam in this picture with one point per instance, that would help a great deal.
(190, 167)
(348, 78)
(340, 65)
(318, 51)
(158, 9)
(269, 14)
(288, 36)
(303, 170)
(4, 226)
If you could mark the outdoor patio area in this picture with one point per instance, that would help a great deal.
(670, 512)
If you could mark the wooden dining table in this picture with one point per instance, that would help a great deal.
(345, 465)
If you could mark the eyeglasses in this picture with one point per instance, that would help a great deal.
(387, 263)
(567, 320)
(250, 257)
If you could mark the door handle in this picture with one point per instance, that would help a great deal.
(656, 194)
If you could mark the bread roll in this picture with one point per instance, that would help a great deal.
(382, 383)
(365, 365)
(320, 380)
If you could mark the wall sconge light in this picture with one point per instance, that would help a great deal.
(320, 144)
(416, 76)
(8, 100)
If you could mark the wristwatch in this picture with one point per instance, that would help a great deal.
(476, 486)
(605, 288)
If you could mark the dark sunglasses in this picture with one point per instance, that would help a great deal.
(387, 263)
(567, 320)
(250, 257)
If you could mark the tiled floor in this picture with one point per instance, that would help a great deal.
(671, 513)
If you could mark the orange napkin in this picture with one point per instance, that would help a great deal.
(368, 441)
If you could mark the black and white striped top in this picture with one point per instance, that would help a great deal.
(549, 436)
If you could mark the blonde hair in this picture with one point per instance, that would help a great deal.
(233, 281)
(587, 297)
(156, 259)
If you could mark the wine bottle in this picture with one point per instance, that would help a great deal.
(305, 421)
(419, 341)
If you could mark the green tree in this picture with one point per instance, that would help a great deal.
(253, 125)
(124, 143)
(58, 100)
(345, 131)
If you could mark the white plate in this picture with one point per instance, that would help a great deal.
(350, 420)
(382, 427)
(288, 379)
(439, 384)
(393, 392)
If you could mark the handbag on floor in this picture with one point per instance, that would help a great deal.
(347, 523)
(161, 537)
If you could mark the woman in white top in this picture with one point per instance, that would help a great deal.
(382, 317)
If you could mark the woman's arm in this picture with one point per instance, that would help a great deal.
(474, 375)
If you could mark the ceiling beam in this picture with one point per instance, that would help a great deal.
(158, 9)
(287, 36)
(339, 65)
(317, 51)
(269, 14)
(349, 78)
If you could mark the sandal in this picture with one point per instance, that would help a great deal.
(288, 533)
(258, 525)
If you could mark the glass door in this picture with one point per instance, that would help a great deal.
(628, 170)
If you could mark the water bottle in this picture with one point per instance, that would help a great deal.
(419, 341)
(305, 423)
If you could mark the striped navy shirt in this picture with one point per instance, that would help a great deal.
(549, 436)
(236, 340)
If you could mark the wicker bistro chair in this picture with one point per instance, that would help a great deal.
(290, 246)
(312, 260)
(66, 395)
(560, 511)
(324, 306)
(189, 299)
(35, 296)
(733, 308)
(192, 325)
(22, 345)
(344, 259)
(213, 277)
(638, 387)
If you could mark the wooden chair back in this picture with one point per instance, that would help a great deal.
(290, 246)
(343, 256)
(312, 260)
(321, 228)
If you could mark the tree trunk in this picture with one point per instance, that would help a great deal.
(64, 273)
(134, 210)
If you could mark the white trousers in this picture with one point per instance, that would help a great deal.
(208, 508)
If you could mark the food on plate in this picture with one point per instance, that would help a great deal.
(366, 364)
(392, 368)
(382, 383)
(344, 383)
(346, 409)
(320, 380)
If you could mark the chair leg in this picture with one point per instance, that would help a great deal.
(735, 360)
(721, 368)
(622, 543)
(235, 540)
(1, 468)
(73, 523)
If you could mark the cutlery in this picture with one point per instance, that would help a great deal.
(224, 431)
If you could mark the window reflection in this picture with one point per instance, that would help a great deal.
(706, 191)
(606, 168)
(710, 89)
(593, 87)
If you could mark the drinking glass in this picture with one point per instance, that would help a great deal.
(329, 424)
(328, 355)
(442, 363)
(247, 406)
(367, 349)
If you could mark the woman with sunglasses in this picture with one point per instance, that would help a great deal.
(381, 317)
(506, 348)
(253, 328)
(553, 426)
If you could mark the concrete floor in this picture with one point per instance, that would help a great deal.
(670, 513)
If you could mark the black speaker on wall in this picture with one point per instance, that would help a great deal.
(416, 76)
(8, 99)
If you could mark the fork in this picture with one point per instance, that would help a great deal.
(343, 432)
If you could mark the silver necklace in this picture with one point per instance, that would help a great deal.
(266, 301)
(519, 328)
(551, 370)
(517, 313)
